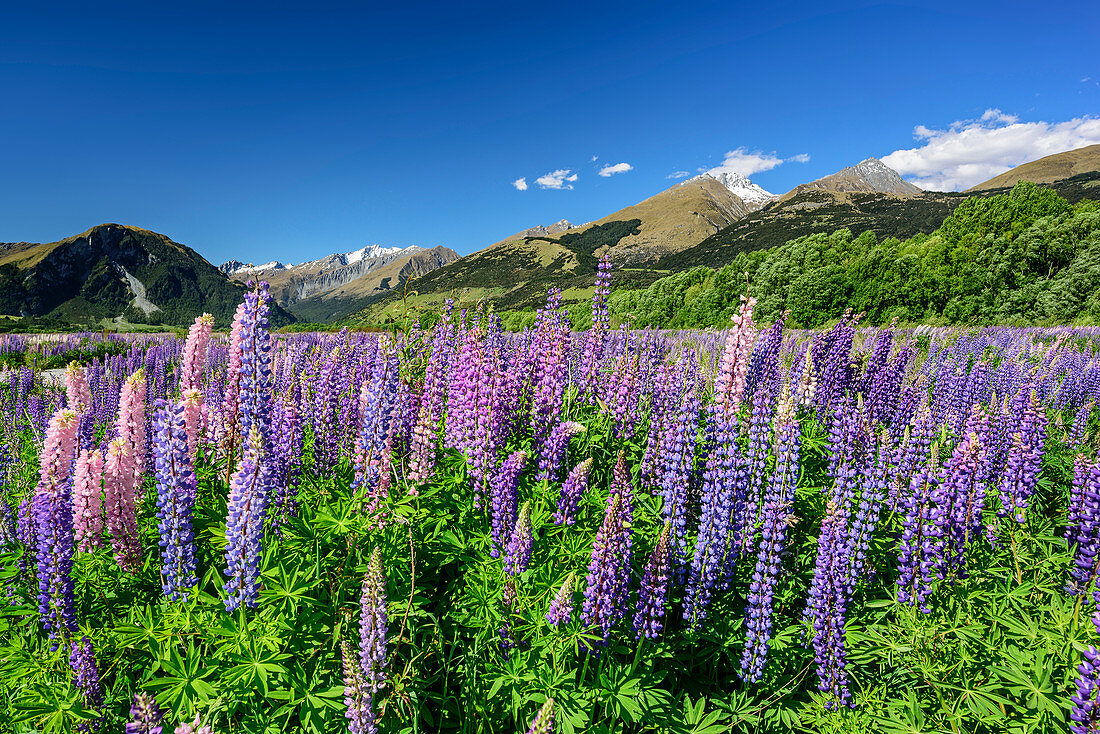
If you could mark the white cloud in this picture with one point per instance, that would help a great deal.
(746, 162)
(617, 168)
(559, 179)
(968, 152)
(679, 174)
(520, 183)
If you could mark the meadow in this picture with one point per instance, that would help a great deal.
(462, 529)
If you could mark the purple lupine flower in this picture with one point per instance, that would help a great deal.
(663, 394)
(747, 515)
(572, 490)
(250, 486)
(827, 607)
(872, 484)
(964, 489)
(594, 339)
(504, 498)
(1081, 469)
(1078, 432)
(622, 390)
(377, 400)
(832, 359)
(653, 593)
(517, 553)
(725, 472)
(561, 608)
(325, 416)
(676, 450)
(722, 477)
(255, 345)
(1023, 458)
(606, 586)
(777, 511)
(543, 722)
(462, 386)
(145, 715)
(551, 366)
(422, 451)
(52, 527)
(1083, 526)
(372, 624)
(916, 439)
(286, 457)
(357, 694)
(86, 677)
(553, 451)
(244, 526)
(1085, 714)
(508, 639)
(175, 501)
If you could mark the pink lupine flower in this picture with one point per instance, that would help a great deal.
(194, 353)
(88, 500)
(194, 728)
(78, 393)
(124, 466)
(192, 419)
(58, 447)
(729, 382)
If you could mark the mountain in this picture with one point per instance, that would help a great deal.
(1049, 169)
(868, 176)
(236, 267)
(336, 283)
(331, 303)
(117, 272)
(672, 220)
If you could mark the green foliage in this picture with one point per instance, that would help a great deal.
(1026, 256)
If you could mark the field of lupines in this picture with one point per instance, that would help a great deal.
(462, 529)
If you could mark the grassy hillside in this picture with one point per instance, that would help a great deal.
(1048, 169)
(670, 221)
(1026, 256)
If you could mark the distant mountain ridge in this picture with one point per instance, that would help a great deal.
(320, 278)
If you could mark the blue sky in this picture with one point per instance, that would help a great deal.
(267, 131)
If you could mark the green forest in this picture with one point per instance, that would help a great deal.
(1024, 257)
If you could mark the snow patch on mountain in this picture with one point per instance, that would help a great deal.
(753, 195)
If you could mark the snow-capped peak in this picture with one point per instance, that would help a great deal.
(374, 251)
(742, 187)
(235, 267)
